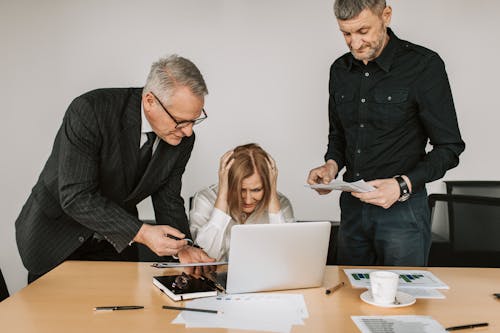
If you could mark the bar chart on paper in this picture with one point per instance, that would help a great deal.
(360, 278)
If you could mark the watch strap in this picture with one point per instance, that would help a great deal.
(404, 191)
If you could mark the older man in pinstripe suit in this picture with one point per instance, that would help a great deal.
(84, 203)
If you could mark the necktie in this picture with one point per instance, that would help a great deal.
(145, 155)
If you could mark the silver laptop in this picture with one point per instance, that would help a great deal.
(277, 256)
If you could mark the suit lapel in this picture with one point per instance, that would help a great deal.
(130, 138)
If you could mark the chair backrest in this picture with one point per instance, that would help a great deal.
(474, 222)
(484, 188)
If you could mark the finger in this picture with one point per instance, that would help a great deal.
(225, 158)
(168, 230)
(197, 271)
(189, 270)
(229, 164)
(314, 177)
(272, 161)
(174, 245)
(376, 182)
(323, 191)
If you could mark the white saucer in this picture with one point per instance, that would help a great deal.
(403, 298)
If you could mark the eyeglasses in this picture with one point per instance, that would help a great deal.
(183, 123)
(181, 282)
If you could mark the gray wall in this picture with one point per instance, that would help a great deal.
(266, 64)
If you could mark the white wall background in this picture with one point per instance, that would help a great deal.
(266, 65)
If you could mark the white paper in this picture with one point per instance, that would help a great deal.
(337, 184)
(410, 278)
(259, 311)
(423, 293)
(397, 324)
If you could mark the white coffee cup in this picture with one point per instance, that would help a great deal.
(384, 286)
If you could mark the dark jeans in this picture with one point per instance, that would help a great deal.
(372, 235)
(98, 250)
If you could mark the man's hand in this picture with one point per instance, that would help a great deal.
(386, 193)
(190, 254)
(323, 175)
(156, 238)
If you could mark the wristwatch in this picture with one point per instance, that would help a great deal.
(404, 191)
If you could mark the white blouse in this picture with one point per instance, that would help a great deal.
(211, 227)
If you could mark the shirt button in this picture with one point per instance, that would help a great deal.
(358, 151)
(389, 98)
(81, 239)
(357, 174)
(363, 100)
(362, 125)
(367, 74)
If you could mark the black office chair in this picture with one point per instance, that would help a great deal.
(331, 258)
(474, 231)
(4, 292)
(483, 188)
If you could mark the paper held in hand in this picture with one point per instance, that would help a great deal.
(340, 185)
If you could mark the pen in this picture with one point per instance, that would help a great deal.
(118, 307)
(189, 309)
(464, 327)
(334, 289)
(189, 241)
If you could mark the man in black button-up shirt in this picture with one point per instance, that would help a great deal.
(388, 98)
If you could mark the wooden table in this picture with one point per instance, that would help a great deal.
(63, 301)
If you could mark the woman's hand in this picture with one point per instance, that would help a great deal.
(274, 201)
(226, 161)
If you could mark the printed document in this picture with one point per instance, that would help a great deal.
(408, 278)
(397, 324)
(337, 184)
(258, 311)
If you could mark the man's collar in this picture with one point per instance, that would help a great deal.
(385, 59)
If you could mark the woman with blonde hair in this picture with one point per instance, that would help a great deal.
(246, 194)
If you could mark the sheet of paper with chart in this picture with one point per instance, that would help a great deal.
(410, 278)
(397, 324)
(337, 184)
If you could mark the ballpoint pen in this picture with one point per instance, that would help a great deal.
(118, 307)
(333, 289)
(167, 307)
(463, 327)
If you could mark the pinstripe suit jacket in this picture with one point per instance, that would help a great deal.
(88, 183)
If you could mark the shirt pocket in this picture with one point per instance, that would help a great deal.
(391, 107)
(344, 108)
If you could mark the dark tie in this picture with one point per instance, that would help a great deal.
(145, 155)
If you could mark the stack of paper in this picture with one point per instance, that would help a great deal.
(259, 311)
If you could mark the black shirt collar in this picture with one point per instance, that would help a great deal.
(385, 59)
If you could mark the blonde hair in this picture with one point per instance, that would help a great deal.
(248, 159)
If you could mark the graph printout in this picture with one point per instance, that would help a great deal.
(397, 324)
(360, 278)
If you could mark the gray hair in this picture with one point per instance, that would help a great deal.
(173, 71)
(348, 9)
